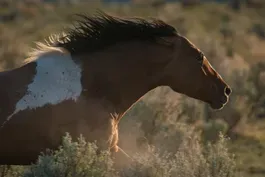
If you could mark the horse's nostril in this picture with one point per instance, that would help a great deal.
(228, 91)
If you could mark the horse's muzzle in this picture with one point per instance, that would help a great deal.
(218, 104)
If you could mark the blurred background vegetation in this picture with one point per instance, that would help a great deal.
(232, 36)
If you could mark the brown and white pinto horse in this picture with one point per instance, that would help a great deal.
(102, 66)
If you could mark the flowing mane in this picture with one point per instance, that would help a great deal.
(93, 33)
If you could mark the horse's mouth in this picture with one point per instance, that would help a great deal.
(218, 105)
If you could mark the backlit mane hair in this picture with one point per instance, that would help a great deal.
(92, 33)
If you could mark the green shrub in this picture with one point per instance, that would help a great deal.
(73, 159)
(12, 171)
(191, 159)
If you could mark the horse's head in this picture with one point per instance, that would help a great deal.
(190, 73)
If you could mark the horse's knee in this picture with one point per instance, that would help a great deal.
(114, 137)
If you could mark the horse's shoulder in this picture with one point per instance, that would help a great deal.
(57, 78)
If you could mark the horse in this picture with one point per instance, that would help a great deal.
(83, 80)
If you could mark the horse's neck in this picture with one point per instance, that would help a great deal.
(119, 76)
(116, 89)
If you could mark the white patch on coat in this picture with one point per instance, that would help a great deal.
(57, 78)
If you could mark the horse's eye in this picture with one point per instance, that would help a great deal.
(200, 60)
